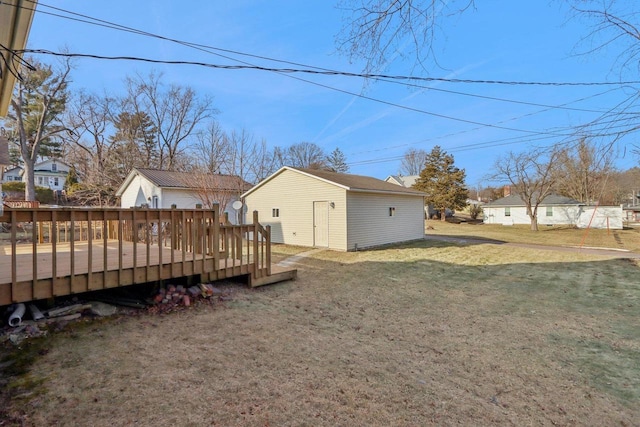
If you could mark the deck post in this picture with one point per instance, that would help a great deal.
(256, 256)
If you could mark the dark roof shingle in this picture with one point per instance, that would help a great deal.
(360, 182)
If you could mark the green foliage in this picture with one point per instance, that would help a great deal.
(13, 186)
(43, 194)
(474, 211)
(337, 161)
(442, 181)
(72, 178)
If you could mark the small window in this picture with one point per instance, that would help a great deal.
(55, 181)
(275, 213)
(507, 211)
(549, 210)
(392, 211)
(40, 180)
(54, 167)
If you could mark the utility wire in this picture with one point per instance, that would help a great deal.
(320, 70)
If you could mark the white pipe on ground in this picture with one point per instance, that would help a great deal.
(36, 314)
(16, 317)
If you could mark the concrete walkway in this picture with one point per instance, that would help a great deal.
(292, 260)
(613, 253)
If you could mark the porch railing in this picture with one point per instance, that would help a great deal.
(47, 252)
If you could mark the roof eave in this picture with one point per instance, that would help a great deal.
(15, 22)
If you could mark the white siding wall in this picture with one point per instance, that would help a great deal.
(293, 194)
(138, 192)
(561, 215)
(605, 217)
(371, 225)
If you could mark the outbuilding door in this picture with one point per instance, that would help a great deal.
(321, 224)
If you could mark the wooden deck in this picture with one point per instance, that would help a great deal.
(57, 252)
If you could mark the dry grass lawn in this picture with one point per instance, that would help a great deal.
(429, 333)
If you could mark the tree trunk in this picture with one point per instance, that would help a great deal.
(534, 222)
(443, 214)
(30, 185)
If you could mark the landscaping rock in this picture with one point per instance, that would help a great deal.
(102, 309)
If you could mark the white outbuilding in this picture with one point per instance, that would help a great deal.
(338, 211)
(553, 210)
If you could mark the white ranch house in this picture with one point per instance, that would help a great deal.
(160, 189)
(337, 211)
(553, 210)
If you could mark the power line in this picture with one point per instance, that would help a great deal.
(320, 70)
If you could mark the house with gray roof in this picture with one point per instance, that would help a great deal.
(338, 211)
(160, 189)
(553, 210)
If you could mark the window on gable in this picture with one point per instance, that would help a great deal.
(392, 211)
(549, 210)
(54, 167)
(275, 213)
(507, 211)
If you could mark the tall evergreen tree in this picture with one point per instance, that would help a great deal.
(37, 105)
(337, 161)
(443, 182)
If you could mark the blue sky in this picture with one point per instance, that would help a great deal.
(508, 40)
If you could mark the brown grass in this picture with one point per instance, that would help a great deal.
(423, 334)
(629, 238)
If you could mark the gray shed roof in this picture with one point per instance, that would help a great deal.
(185, 180)
(550, 200)
(349, 182)
(360, 182)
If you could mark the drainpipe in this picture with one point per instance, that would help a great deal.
(16, 317)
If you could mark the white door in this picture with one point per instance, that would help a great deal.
(321, 224)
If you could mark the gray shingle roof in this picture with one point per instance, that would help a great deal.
(360, 182)
(172, 179)
(550, 200)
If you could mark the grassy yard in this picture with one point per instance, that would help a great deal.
(628, 239)
(429, 333)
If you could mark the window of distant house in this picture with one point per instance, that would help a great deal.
(392, 211)
(549, 210)
(55, 181)
(54, 167)
(275, 213)
(40, 180)
(507, 211)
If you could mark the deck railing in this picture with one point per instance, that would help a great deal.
(46, 252)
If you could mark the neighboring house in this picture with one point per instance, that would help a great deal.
(405, 181)
(12, 174)
(50, 174)
(161, 189)
(632, 214)
(334, 210)
(553, 210)
(408, 182)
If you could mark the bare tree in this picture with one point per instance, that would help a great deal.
(306, 155)
(175, 112)
(379, 30)
(37, 106)
(532, 176)
(413, 162)
(89, 149)
(583, 171)
(211, 150)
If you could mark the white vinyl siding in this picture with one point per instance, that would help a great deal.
(294, 194)
(371, 225)
(579, 216)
